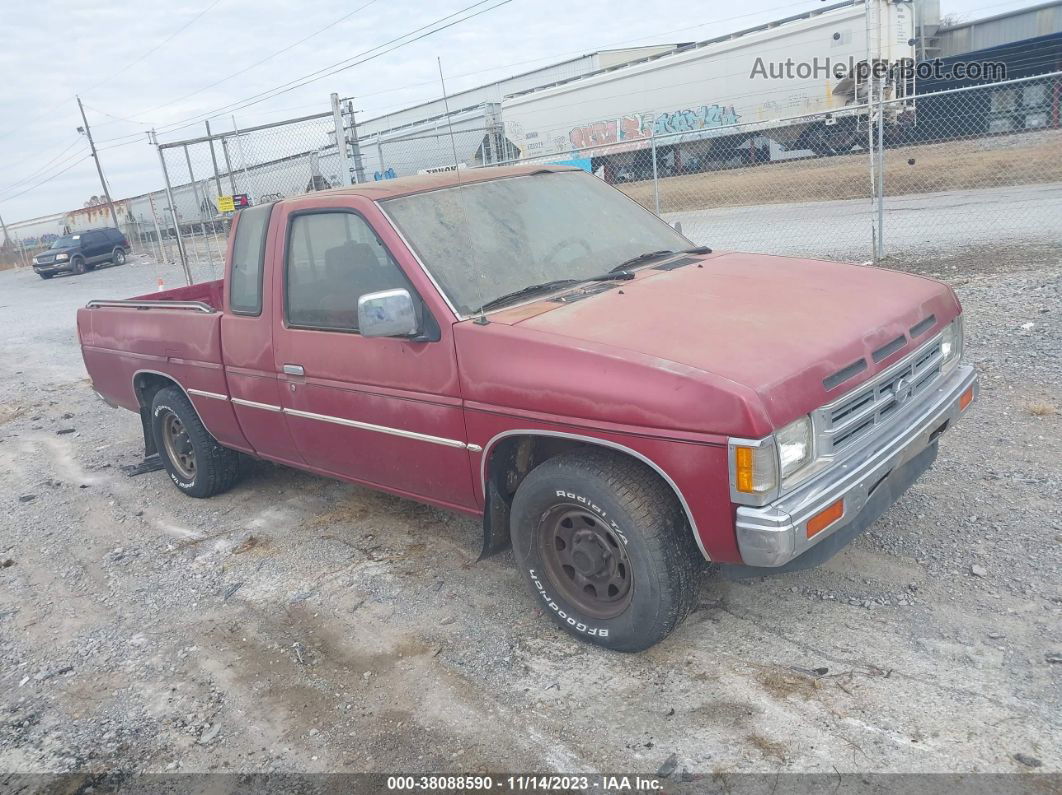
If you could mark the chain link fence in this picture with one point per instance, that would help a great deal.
(896, 178)
(968, 166)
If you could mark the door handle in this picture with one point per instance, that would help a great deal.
(293, 369)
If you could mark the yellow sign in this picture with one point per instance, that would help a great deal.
(226, 204)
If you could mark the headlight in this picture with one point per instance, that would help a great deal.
(759, 466)
(61, 257)
(794, 446)
(951, 344)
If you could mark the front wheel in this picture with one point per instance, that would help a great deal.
(606, 548)
(196, 463)
(46, 275)
(79, 265)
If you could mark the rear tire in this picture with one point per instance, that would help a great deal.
(606, 548)
(196, 463)
(118, 257)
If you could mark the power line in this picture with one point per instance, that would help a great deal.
(82, 159)
(36, 172)
(339, 66)
(157, 47)
(256, 63)
(104, 80)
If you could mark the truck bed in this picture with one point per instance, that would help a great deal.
(175, 333)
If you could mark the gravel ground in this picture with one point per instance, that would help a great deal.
(301, 624)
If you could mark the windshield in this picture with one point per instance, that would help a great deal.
(66, 242)
(487, 239)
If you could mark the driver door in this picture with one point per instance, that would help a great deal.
(381, 411)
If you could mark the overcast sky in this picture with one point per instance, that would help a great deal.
(152, 64)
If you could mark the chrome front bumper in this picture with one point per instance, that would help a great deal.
(776, 534)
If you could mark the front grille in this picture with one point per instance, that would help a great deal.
(45, 259)
(854, 416)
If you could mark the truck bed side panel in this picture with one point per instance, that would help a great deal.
(118, 343)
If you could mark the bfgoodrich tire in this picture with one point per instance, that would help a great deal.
(606, 548)
(196, 463)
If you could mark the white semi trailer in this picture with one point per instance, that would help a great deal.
(795, 82)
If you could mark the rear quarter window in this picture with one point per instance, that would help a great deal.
(248, 250)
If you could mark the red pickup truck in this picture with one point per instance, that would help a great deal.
(529, 346)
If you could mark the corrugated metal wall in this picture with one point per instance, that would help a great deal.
(982, 34)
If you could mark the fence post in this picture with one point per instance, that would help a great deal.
(213, 158)
(656, 179)
(158, 231)
(228, 163)
(173, 212)
(243, 160)
(345, 170)
(379, 153)
(880, 253)
(191, 178)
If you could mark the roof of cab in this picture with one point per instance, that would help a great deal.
(421, 183)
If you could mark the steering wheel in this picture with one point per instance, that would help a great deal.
(567, 242)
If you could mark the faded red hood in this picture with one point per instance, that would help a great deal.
(776, 325)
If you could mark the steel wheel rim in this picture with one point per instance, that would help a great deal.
(119, 257)
(178, 446)
(586, 561)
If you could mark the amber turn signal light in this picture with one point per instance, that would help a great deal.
(966, 398)
(743, 469)
(825, 517)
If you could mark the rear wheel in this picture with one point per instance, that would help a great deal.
(118, 257)
(196, 463)
(606, 547)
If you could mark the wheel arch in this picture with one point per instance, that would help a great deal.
(146, 384)
(510, 455)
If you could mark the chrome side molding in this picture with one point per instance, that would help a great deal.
(194, 306)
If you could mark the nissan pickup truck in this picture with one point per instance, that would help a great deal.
(530, 347)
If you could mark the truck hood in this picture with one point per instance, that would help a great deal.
(778, 326)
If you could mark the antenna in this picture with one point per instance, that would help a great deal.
(449, 121)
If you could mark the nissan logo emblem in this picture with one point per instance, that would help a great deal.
(901, 391)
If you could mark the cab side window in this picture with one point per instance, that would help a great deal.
(248, 250)
(333, 259)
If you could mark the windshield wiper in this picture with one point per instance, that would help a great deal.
(611, 276)
(619, 273)
(531, 288)
(648, 255)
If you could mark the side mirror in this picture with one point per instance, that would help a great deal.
(388, 313)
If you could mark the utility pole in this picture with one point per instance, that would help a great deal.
(345, 171)
(355, 146)
(7, 237)
(96, 157)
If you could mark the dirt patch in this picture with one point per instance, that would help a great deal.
(786, 684)
(769, 749)
(956, 165)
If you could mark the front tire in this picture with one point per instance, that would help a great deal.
(606, 548)
(46, 275)
(196, 463)
(79, 265)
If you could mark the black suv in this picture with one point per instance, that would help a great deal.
(82, 252)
